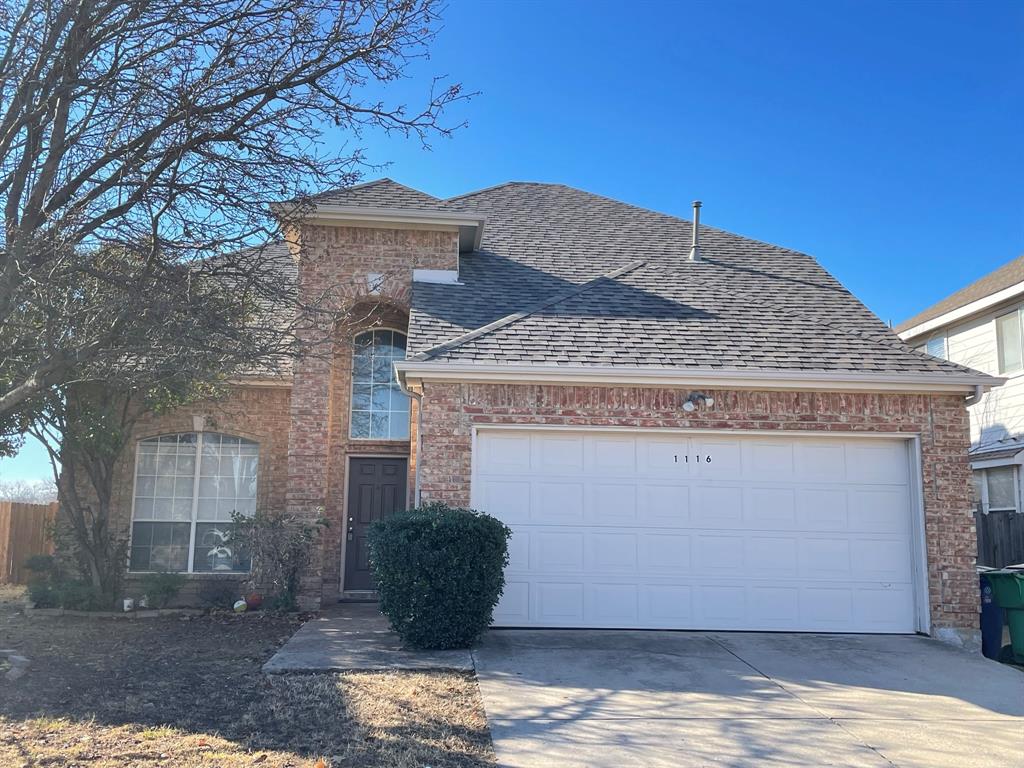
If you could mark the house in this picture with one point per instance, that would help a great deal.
(685, 428)
(980, 326)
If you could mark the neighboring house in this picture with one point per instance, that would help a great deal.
(730, 441)
(980, 326)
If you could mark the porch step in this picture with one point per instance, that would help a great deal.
(358, 596)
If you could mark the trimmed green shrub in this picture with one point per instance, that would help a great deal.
(440, 572)
(51, 587)
(220, 593)
(162, 587)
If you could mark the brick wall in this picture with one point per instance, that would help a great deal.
(257, 413)
(333, 264)
(451, 410)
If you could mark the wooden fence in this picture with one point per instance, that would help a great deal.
(1000, 538)
(24, 531)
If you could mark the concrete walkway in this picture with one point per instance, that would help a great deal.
(354, 636)
(680, 699)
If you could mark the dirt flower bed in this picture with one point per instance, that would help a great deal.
(189, 692)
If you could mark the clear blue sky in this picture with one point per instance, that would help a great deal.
(886, 139)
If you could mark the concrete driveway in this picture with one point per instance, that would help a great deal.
(603, 698)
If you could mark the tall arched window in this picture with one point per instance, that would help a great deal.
(380, 410)
(186, 487)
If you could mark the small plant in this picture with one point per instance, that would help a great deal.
(280, 546)
(440, 572)
(219, 593)
(162, 587)
(51, 587)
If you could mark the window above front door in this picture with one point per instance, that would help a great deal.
(380, 410)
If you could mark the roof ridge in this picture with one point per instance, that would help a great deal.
(510, 183)
(507, 320)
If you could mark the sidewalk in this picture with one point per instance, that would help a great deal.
(355, 636)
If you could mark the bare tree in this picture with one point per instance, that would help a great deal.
(28, 491)
(139, 144)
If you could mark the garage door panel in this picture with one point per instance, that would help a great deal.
(717, 506)
(507, 500)
(663, 505)
(613, 503)
(768, 460)
(611, 455)
(556, 551)
(558, 454)
(771, 508)
(665, 552)
(559, 603)
(557, 502)
(822, 509)
(611, 552)
(821, 461)
(617, 531)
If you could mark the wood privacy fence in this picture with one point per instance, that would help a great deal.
(24, 531)
(1000, 538)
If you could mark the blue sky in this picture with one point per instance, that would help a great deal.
(886, 139)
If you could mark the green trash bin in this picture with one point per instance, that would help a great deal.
(1008, 591)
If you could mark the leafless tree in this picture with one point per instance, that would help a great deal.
(139, 145)
(28, 491)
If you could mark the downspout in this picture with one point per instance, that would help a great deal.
(418, 397)
(979, 392)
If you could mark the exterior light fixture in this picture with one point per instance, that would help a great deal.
(694, 399)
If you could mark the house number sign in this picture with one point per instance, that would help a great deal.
(698, 458)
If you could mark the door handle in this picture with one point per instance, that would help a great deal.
(351, 535)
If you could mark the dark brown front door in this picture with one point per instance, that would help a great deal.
(376, 488)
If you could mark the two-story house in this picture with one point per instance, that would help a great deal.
(982, 326)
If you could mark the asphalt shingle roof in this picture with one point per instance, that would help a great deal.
(748, 305)
(1007, 275)
(382, 193)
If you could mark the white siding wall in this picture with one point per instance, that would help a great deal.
(1000, 412)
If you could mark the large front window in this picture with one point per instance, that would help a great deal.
(380, 410)
(186, 487)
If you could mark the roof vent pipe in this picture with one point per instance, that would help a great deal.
(695, 250)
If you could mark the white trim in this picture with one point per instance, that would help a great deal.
(919, 546)
(470, 226)
(919, 543)
(960, 313)
(438, 276)
(1004, 461)
(828, 381)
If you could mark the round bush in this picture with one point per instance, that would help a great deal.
(440, 572)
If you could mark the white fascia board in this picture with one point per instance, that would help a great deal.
(439, 276)
(1005, 461)
(823, 381)
(962, 313)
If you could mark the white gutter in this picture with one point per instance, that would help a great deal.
(826, 381)
(419, 436)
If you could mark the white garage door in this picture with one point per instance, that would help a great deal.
(702, 531)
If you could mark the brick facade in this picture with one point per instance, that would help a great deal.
(334, 263)
(450, 411)
(261, 414)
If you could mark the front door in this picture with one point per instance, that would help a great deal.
(376, 488)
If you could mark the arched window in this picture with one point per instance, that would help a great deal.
(181, 516)
(380, 410)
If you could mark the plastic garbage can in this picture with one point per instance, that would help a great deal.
(1008, 591)
(991, 621)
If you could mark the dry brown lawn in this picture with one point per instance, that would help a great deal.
(189, 693)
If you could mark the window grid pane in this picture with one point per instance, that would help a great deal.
(1008, 341)
(1001, 491)
(165, 486)
(380, 410)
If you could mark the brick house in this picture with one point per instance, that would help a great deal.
(699, 433)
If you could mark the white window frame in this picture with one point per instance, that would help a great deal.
(352, 390)
(193, 520)
(945, 345)
(999, 344)
(985, 509)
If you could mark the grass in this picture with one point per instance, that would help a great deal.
(188, 693)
